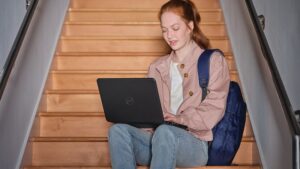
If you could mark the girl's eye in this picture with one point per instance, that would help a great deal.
(164, 30)
(176, 28)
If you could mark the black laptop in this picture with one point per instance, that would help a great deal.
(133, 101)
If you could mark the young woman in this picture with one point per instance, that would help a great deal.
(176, 76)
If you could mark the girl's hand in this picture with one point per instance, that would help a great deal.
(171, 117)
(150, 130)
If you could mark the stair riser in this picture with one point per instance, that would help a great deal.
(104, 63)
(88, 126)
(77, 102)
(70, 154)
(81, 81)
(80, 126)
(131, 30)
(112, 63)
(74, 103)
(145, 167)
(137, 4)
(124, 45)
(84, 81)
(139, 16)
(97, 154)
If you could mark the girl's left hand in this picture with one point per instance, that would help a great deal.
(171, 117)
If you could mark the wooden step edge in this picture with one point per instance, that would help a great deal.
(108, 72)
(80, 114)
(143, 167)
(129, 23)
(129, 38)
(132, 10)
(71, 114)
(72, 91)
(113, 10)
(110, 53)
(99, 71)
(80, 54)
(93, 139)
(78, 71)
(111, 23)
(68, 139)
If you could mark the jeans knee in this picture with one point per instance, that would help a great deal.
(117, 131)
(163, 134)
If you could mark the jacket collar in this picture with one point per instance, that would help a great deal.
(164, 66)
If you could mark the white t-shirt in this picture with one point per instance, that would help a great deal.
(176, 88)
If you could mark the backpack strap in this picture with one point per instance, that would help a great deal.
(203, 70)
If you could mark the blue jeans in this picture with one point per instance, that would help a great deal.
(168, 147)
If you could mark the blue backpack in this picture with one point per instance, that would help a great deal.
(228, 132)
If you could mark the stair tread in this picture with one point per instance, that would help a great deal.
(69, 139)
(101, 71)
(129, 37)
(227, 54)
(94, 139)
(107, 71)
(127, 23)
(110, 53)
(76, 114)
(71, 92)
(142, 167)
(129, 10)
(100, 113)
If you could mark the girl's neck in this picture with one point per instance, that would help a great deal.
(183, 52)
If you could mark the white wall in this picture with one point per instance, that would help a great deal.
(12, 13)
(25, 86)
(272, 134)
(283, 34)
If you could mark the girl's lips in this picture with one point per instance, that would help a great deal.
(173, 43)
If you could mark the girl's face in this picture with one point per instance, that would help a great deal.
(175, 31)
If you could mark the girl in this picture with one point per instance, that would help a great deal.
(168, 147)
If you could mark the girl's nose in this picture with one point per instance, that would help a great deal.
(169, 34)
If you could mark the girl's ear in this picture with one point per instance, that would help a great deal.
(191, 25)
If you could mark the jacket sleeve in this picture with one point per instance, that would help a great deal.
(150, 71)
(205, 115)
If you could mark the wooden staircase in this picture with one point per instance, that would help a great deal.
(100, 38)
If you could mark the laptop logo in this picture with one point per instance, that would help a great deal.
(129, 101)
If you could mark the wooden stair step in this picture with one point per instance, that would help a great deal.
(127, 44)
(86, 80)
(87, 54)
(103, 63)
(110, 62)
(86, 100)
(70, 139)
(99, 139)
(79, 100)
(73, 102)
(142, 167)
(136, 4)
(93, 152)
(131, 29)
(120, 15)
(73, 126)
(87, 124)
